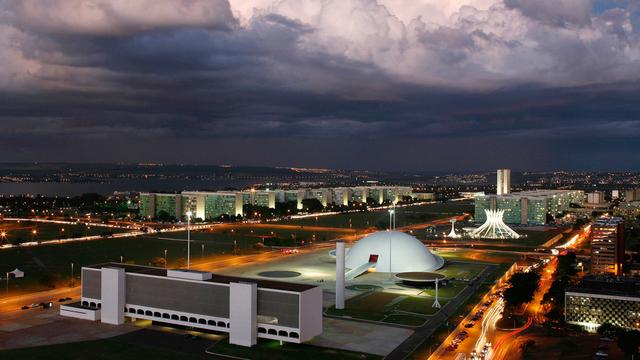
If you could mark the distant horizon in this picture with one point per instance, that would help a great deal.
(407, 171)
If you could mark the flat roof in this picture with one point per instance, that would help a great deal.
(216, 278)
(608, 285)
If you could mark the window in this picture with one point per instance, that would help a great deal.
(140, 312)
(166, 316)
(202, 321)
(157, 314)
(193, 320)
(211, 322)
(85, 303)
(174, 317)
(294, 335)
(132, 310)
(183, 318)
(222, 324)
(262, 330)
(92, 304)
(283, 333)
(272, 332)
(148, 313)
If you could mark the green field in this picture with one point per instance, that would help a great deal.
(471, 255)
(380, 218)
(388, 307)
(23, 231)
(48, 265)
(248, 235)
(377, 305)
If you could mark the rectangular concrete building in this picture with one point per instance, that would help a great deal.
(607, 246)
(245, 308)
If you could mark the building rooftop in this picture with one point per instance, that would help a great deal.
(608, 285)
(216, 278)
(543, 193)
(608, 221)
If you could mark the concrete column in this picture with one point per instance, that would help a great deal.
(243, 309)
(113, 295)
(340, 274)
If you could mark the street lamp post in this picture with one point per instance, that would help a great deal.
(165, 258)
(203, 250)
(390, 235)
(189, 213)
(72, 280)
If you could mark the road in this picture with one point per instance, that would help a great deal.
(10, 307)
(442, 316)
(501, 341)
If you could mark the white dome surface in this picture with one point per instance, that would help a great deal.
(407, 253)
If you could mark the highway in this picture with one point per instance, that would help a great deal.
(502, 341)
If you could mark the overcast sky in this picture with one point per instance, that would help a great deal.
(361, 84)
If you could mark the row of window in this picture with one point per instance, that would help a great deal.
(156, 314)
(176, 317)
(91, 304)
(293, 334)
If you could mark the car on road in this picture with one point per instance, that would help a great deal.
(469, 325)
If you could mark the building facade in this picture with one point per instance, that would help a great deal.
(607, 246)
(596, 197)
(245, 308)
(208, 205)
(528, 207)
(599, 300)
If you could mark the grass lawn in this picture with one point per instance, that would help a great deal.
(417, 304)
(460, 270)
(247, 236)
(23, 231)
(404, 320)
(451, 290)
(98, 350)
(271, 349)
(471, 255)
(387, 307)
(53, 262)
(380, 218)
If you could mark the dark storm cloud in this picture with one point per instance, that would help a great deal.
(270, 87)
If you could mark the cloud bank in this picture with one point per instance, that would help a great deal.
(445, 71)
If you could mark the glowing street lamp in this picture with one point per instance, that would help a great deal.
(189, 214)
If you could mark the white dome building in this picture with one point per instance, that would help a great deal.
(406, 253)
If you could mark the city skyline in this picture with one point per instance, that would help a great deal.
(456, 85)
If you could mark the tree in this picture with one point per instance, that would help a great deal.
(164, 216)
(608, 329)
(523, 286)
(628, 342)
(312, 205)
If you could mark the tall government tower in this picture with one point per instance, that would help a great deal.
(504, 181)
